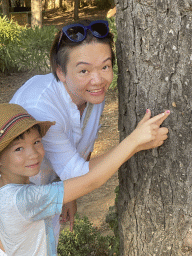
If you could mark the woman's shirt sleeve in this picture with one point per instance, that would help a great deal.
(62, 154)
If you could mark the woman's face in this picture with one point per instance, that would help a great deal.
(89, 73)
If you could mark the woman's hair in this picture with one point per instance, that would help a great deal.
(60, 57)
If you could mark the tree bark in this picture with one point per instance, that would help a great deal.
(5, 7)
(36, 13)
(154, 55)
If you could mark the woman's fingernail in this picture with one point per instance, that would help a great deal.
(147, 111)
(168, 111)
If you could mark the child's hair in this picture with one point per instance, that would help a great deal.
(34, 127)
(60, 57)
(14, 121)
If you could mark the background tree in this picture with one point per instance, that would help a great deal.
(27, 3)
(76, 9)
(60, 3)
(36, 13)
(5, 7)
(154, 52)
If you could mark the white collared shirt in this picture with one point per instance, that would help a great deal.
(66, 146)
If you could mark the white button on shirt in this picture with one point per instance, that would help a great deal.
(66, 146)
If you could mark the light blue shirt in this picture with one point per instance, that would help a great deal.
(26, 218)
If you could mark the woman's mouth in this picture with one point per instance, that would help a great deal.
(95, 91)
(33, 165)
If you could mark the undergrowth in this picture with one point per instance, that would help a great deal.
(86, 240)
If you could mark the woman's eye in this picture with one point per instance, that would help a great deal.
(83, 71)
(18, 149)
(105, 67)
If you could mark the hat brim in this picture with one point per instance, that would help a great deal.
(21, 128)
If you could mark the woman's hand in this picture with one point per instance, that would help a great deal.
(148, 134)
(68, 213)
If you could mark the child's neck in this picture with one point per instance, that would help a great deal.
(4, 181)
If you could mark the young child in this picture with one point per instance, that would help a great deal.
(26, 209)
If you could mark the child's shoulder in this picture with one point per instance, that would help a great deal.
(10, 186)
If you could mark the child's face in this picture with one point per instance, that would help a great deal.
(22, 158)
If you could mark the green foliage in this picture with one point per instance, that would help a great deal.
(112, 220)
(113, 29)
(23, 48)
(9, 34)
(34, 46)
(85, 240)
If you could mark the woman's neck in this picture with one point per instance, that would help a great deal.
(81, 108)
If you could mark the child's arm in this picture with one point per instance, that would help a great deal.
(146, 135)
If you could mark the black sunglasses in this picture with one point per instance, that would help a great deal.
(78, 32)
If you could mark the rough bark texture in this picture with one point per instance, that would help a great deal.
(36, 12)
(154, 52)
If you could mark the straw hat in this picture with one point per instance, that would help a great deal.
(14, 120)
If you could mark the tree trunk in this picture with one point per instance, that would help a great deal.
(36, 13)
(154, 53)
(5, 7)
(76, 9)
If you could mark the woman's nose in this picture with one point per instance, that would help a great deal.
(96, 78)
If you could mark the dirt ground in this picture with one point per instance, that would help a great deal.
(96, 204)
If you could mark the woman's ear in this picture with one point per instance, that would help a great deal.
(60, 74)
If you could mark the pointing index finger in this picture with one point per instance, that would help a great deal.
(159, 118)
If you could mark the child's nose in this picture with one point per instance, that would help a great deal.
(33, 153)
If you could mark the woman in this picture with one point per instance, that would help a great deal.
(81, 58)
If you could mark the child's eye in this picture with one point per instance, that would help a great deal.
(37, 142)
(18, 149)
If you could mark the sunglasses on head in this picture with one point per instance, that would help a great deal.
(78, 32)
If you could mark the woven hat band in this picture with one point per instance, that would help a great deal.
(11, 122)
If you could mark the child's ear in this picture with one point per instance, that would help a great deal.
(60, 74)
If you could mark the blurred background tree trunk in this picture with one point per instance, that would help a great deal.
(154, 53)
(36, 13)
(76, 9)
(5, 7)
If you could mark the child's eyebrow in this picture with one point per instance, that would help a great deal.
(16, 141)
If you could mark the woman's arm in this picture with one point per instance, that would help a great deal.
(146, 135)
(1, 246)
